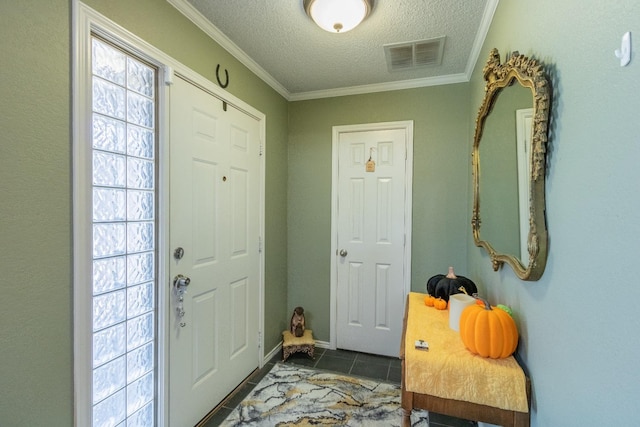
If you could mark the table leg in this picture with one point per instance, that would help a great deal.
(406, 417)
(406, 403)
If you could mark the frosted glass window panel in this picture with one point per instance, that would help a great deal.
(109, 170)
(111, 411)
(139, 331)
(109, 99)
(123, 214)
(140, 205)
(139, 299)
(140, 77)
(109, 378)
(139, 393)
(139, 142)
(109, 344)
(109, 239)
(140, 268)
(140, 110)
(109, 204)
(143, 418)
(140, 173)
(139, 362)
(108, 63)
(109, 309)
(109, 134)
(109, 274)
(140, 236)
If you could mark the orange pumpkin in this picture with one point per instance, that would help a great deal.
(429, 300)
(487, 332)
(440, 304)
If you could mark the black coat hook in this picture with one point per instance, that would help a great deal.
(226, 83)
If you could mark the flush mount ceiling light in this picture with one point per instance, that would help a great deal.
(338, 16)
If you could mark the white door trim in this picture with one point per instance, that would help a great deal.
(86, 20)
(524, 119)
(407, 126)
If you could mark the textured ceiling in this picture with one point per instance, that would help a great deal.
(279, 42)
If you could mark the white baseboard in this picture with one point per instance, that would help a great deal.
(323, 344)
(278, 349)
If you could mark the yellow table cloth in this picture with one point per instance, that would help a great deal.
(450, 371)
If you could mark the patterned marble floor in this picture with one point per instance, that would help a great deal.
(291, 395)
(345, 362)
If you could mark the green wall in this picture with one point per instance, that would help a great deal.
(36, 347)
(440, 186)
(35, 215)
(579, 323)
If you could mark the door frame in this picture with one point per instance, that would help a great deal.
(86, 21)
(524, 118)
(407, 126)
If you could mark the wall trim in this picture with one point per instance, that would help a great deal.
(380, 87)
(481, 35)
(191, 13)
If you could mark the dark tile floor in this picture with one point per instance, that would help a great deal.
(346, 362)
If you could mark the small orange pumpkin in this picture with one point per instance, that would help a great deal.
(429, 300)
(440, 304)
(487, 332)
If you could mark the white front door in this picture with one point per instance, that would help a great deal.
(372, 227)
(214, 208)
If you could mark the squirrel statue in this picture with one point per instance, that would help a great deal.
(297, 322)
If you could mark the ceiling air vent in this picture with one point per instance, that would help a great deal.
(407, 56)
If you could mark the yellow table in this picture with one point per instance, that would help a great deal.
(450, 380)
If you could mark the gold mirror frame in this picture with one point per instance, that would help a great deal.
(529, 73)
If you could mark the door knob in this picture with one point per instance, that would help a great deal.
(180, 282)
(343, 253)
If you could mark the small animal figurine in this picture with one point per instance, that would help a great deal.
(297, 322)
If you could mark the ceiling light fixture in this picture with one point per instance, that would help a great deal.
(338, 16)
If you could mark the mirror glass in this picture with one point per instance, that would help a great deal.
(509, 165)
(504, 205)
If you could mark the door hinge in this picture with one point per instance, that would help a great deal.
(261, 149)
(259, 340)
(260, 244)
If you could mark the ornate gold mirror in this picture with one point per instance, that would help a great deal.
(509, 150)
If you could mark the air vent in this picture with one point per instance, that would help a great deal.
(407, 56)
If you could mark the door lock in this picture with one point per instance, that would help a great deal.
(180, 282)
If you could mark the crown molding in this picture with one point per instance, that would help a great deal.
(191, 13)
(219, 37)
(481, 35)
(380, 87)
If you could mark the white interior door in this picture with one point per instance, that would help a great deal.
(371, 225)
(214, 208)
